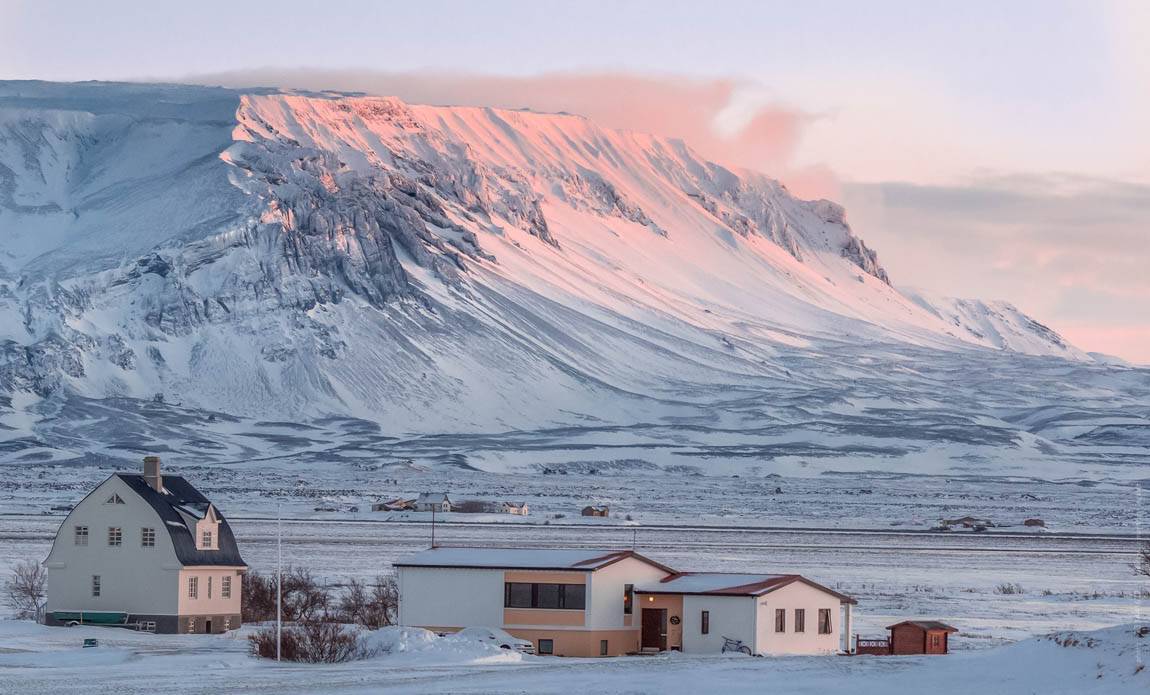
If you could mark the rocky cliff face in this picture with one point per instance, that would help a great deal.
(441, 269)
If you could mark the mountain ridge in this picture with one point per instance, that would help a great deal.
(435, 269)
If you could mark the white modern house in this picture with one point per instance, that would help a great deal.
(612, 602)
(568, 602)
(148, 551)
(697, 612)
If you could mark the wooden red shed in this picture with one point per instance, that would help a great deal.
(920, 637)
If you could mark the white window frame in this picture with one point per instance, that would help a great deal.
(96, 586)
(147, 537)
(80, 535)
(193, 587)
(115, 533)
(209, 587)
(225, 587)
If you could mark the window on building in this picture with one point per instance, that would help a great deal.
(603, 647)
(115, 536)
(225, 587)
(114, 499)
(780, 620)
(148, 626)
(553, 596)
(192, 625)
(206, 539)
(147, 537)
(95, 585)
(209, 587)
(546, 646)
(628, 599)
(193, 587)
(824, 621)
(81, 535)
(800, 620)
(705, 623)
(227, 623)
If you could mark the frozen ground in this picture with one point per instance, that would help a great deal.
(35, 659)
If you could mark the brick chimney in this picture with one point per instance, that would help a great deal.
(152, 473)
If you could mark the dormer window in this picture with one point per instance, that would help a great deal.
(208, 531)
(114, 499)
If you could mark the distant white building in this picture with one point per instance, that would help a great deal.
(146, 550)
(433, 502)
(519, 509)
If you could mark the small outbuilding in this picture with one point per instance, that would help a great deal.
(1034, 523)
(396, 505)
(920, 637)
(596, 510)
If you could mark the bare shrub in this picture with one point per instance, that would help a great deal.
(371, 606)
(1008, 589)
(1142, 564)
(25, 590)
(303, 597)
(312, 641)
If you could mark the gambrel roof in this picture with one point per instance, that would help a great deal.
(179, 505)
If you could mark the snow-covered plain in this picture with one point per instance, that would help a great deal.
(35, 659)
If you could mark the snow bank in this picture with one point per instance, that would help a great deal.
(423, 646)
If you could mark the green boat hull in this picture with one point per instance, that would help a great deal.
(91, 617)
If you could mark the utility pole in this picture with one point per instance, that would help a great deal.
(634, 539)
(433, 526)
(279, 580)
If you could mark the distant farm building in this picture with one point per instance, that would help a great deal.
(396, 505)
(920, 637)
(515, 509)
(596, 510)
(1034, 523)
(433, 502)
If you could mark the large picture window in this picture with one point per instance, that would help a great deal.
(554, 596)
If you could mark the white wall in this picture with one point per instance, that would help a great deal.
(731, 616)
(133, 579)
(790, 597)
(449, 597)
(605, 591)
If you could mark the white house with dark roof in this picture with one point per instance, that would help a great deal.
(697, 612)
(433, 501)
(149, 551)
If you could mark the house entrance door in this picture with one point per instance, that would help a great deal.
(208, 626)
(654, 628)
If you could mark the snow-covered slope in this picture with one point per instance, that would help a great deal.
(438, 270)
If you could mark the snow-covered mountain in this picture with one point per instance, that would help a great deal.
(234, 258)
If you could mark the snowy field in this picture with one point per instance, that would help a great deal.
(36, 659)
